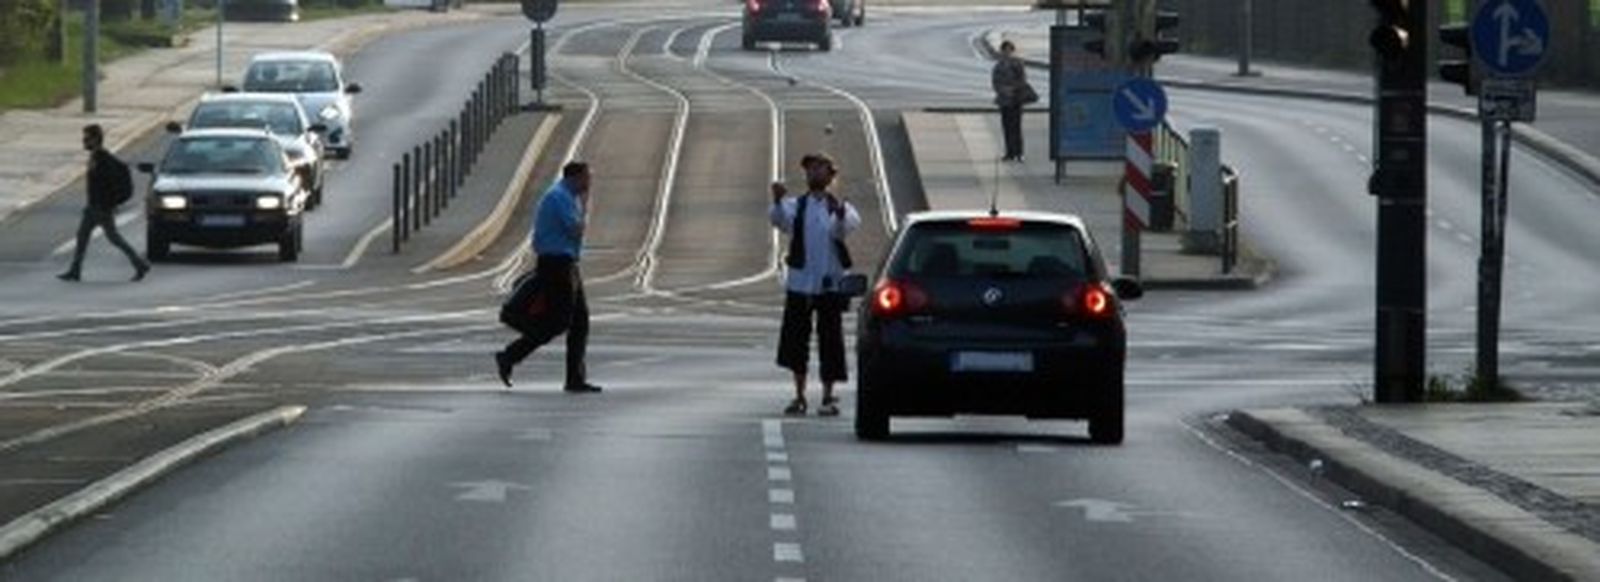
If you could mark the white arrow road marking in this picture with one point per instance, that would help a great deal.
(1107, 511)
(1143, 110)
(490, 491)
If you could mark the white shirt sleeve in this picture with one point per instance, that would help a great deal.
(847, 223)
(782, 214)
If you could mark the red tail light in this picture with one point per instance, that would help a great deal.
(897, 298)
(994, 223)
(822, 6)
(753, 5)
(1091, 300)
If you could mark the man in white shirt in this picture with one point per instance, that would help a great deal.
(817, 223)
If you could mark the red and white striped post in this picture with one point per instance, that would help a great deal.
(1140, 160)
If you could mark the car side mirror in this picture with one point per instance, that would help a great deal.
(319, 128)
(352, 88)
(230, 89)
(147, 167)
(174, 127)
(853, 285)
(1127, 288)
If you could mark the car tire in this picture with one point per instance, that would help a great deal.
(825, 43)
(861, 19)
(845, 19)
(316, 199)
(290, 244)
(749, 43)
(156, 247)
(1106, 426)
(872, 418)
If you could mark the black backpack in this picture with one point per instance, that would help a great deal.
(121, 183)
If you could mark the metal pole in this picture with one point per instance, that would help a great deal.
(1402, 185)
(413, 190)
(397, 220)
(1247, 39)
(222, 7)
(408, 218)
(1492, 260)
(91, 57)
(439, 177)
(427, 183)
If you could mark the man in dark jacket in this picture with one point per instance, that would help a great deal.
(1011, 92)
(109, 184)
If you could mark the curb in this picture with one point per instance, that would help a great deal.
(35, 525)
(1412, 491)
(1585, 165)
(494, 225)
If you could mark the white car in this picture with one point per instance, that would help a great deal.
(281, 115)
(317, 80)
(223, 188)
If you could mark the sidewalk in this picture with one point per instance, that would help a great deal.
(41, 152)
(1517, 485)
(1567, 130)
(957, 158)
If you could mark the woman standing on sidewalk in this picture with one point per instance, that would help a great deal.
(1011, 92)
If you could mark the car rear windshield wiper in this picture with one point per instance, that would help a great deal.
(241, 171)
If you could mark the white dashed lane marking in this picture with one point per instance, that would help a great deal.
(781, 519)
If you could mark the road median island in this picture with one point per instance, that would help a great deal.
(1515, 541)
(23, 531)
(494, 224)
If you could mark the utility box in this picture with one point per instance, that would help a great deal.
(1205, 192)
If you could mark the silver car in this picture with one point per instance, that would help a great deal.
(317, 80)
(280, 115)
(222, 188)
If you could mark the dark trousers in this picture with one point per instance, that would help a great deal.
(105, 219)
(568, 313)
(794, 349)
(1011, 124)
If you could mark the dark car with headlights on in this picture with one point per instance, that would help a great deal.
(223, 188)
(788, 21)
(282, 116)
(1008, 314)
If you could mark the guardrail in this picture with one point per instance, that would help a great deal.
(428, 177)
(1230, 219)
(1172, 148)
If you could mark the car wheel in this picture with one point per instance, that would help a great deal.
(825, 43)
(749, 43)
(316, 198)
(1105, 427)
(156, 247)
(845, 19)
(861, 19)
(289, 245)
(872, 418)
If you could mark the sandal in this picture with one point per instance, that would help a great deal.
(830, 407)
(796, 407)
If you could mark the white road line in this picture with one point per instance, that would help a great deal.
(780, 496)
(782, 522)
(122, 220)
(647, 260)
(787, 552)
(779, 474)
(891, 217)
(777, 457)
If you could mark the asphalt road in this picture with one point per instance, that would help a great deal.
(414, 465)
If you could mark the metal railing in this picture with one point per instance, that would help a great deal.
(428, 177)
(1171, 147)
(1230, 219)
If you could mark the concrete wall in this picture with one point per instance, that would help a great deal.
(1334, 33)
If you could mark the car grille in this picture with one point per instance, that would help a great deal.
(222, 200)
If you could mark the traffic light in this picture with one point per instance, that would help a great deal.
(1099, 22)
(1149, 47)
(1463, 72)
(1391, 37)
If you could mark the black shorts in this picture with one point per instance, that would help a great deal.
(794, 349)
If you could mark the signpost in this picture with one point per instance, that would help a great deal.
(539, 11)
(1509, 40)
(1082, 125)
(1139, 104)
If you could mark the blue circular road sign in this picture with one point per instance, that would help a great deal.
(1140, 104)
(1510, 37)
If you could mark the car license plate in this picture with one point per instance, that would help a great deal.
(222, 220)
(991, 362)
(790, 17)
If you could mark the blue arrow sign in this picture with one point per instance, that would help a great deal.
(1510, 37)
(1140, 104)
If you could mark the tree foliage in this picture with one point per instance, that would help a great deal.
(25, 27)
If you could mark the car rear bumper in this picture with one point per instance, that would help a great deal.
(1066, 381)
(773, 29)
(188, 228)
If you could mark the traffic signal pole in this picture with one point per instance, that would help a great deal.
(1400, 183)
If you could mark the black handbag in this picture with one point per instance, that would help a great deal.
(526, 305)
(1026, 95)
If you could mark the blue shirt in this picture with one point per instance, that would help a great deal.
(558, 222)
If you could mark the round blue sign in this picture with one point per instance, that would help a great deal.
(1510, 37)
(1140, 104)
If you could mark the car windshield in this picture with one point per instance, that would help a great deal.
(223, 155)
(957, 249)
(291, 77)
(278, 117)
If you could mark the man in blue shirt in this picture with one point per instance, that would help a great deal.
(558, 226)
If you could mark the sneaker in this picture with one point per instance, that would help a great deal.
(68, 276)
(796, 407)
(584, 388)
(140, 271)
(503, 367)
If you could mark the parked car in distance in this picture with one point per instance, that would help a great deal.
(282, 116)
(262, 10)
(1007, 313)
(317, 80)
(788, 21)
(224, 188)
(850, 12)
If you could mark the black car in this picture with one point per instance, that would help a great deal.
(1007, 313)
(788, 21)
(223, 188)
(850, 12)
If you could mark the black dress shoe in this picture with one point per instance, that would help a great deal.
(68, 276)
(140, 271)
(503, 366)
(582, 388)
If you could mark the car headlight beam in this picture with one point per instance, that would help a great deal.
(269, 202)
(173, 202)
(329, 113)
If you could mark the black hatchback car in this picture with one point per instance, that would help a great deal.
(1007, 314)
(788, 20)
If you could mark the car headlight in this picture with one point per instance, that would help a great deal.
(269, 202)
(297, 153)
(173, 202)
(329, 113)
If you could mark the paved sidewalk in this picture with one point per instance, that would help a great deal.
(41, 153)
(957, 156)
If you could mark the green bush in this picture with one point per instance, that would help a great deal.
(24, 29)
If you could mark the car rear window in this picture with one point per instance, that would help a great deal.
(291, 77)
(279, 118)
(222, 155)
(956, 249)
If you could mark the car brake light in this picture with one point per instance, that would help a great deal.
(823, 6)
(753, 5)
(1091, 300)
(896, 298)
(994, 223)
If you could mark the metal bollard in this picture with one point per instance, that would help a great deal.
(408, 218)
(455, 151)
(439, 199)
(411, 203)
(427, 183)
(397, 220)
